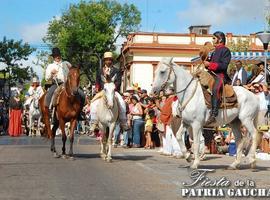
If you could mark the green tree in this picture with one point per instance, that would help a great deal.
(43, 60)
(240, 45)
(88, 29)
(12, 53)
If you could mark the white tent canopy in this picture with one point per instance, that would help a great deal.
(244, 56)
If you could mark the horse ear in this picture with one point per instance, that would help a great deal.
(167, 60)
(113, 78)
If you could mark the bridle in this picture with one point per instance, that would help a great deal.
(68, 83)
(183, 105)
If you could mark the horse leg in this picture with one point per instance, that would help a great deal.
(73, 124)
(30, 126)
(235, 125)
(55, 154)
(255, 139)
(197, 131)
(64, 137)
(179, 136)
(38, 126)
(109, 142)
(103, 151)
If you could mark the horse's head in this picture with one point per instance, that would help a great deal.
(73, 80)
(163, 75)
(109, 90)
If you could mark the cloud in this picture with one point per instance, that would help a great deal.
(223, 14)
(34, 33)
(30, 62)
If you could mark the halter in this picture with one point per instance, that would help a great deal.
(183, 105)
(71, 93)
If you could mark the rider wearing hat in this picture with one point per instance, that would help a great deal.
(34, 91)
(57, 73)
(108, 71)
(218, 65)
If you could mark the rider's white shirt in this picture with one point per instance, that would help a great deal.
(38, 92)
(62, 69)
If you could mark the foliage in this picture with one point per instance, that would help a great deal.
(87, 29)
(241, 45)
(12, 53)
(43, 60)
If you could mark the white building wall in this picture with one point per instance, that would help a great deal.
(202, 40)
(143, 39)
(143, 75)
(158, 58)
(173, 39)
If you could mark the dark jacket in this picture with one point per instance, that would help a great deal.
(113, 71)
(219, 62)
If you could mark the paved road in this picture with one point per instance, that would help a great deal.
(28, 171)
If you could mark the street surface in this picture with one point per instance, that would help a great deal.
(29, 172)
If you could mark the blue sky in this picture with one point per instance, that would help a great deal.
(28, 19)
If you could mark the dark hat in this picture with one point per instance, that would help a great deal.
(55, 52)
(135, 98)
(143, 91)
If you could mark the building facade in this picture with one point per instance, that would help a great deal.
(142, 51)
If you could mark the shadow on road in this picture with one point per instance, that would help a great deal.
(131, 157)
(224, 167)
(115, 157)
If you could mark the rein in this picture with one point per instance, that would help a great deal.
(183, 105)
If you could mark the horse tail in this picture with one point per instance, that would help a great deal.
(45, 117)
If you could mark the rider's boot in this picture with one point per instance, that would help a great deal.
(214, 112)
(81, 116)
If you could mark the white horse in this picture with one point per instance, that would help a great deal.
(195, 113)
(107, 114)
(34, 114)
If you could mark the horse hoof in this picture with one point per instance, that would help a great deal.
(189, 158)
(64, 156)
(232, 167)
(109, 160)
(253, 165)
(71, 158)
(55, 155)
(194, 166)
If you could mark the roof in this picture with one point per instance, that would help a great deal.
(244, 56)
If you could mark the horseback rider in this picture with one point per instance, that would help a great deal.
(218, 65)
(57, 73)
(34, 91)
(110, 71)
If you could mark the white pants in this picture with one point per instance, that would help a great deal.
(170, 144)
(121, 109)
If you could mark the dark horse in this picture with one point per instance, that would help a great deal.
(67, 110)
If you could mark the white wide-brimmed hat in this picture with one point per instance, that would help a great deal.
(108, 55)
(35, 80)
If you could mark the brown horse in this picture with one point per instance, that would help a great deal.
(67, 110)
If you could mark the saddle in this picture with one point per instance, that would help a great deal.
(56, 95)
(207, 82)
